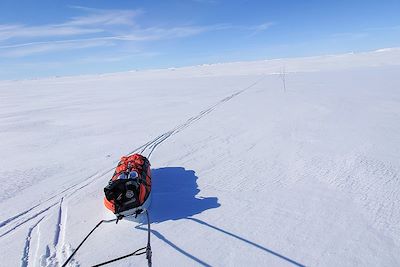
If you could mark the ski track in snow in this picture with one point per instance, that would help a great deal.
(160, 139)
(58, 225)
(25, 255)
(11, 219)
(36, 255)
(148, 149)
(27, 220)
(7, 221)
(18, 221)
(59, 234)
(63, 231)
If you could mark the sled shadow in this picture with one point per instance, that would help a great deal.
(174, 191)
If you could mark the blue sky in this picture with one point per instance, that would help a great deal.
(67, 37)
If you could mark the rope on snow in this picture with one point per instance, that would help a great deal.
(145, 250)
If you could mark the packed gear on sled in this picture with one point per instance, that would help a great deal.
(128, 191)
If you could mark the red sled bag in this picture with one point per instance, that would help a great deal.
(128, 191)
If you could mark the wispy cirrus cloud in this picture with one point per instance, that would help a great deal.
(95, 29)
(22, 32)
(21, 50)
(139, 35)
(97, 21)
(256, 29)
(105, 17)
(262, 27)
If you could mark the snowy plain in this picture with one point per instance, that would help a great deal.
(286, 162)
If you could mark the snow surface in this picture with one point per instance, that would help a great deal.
(285, 162)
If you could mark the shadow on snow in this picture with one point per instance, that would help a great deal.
(174, 192)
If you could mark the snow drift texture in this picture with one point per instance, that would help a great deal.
(272, 163)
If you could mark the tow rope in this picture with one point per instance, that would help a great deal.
(144, 250)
